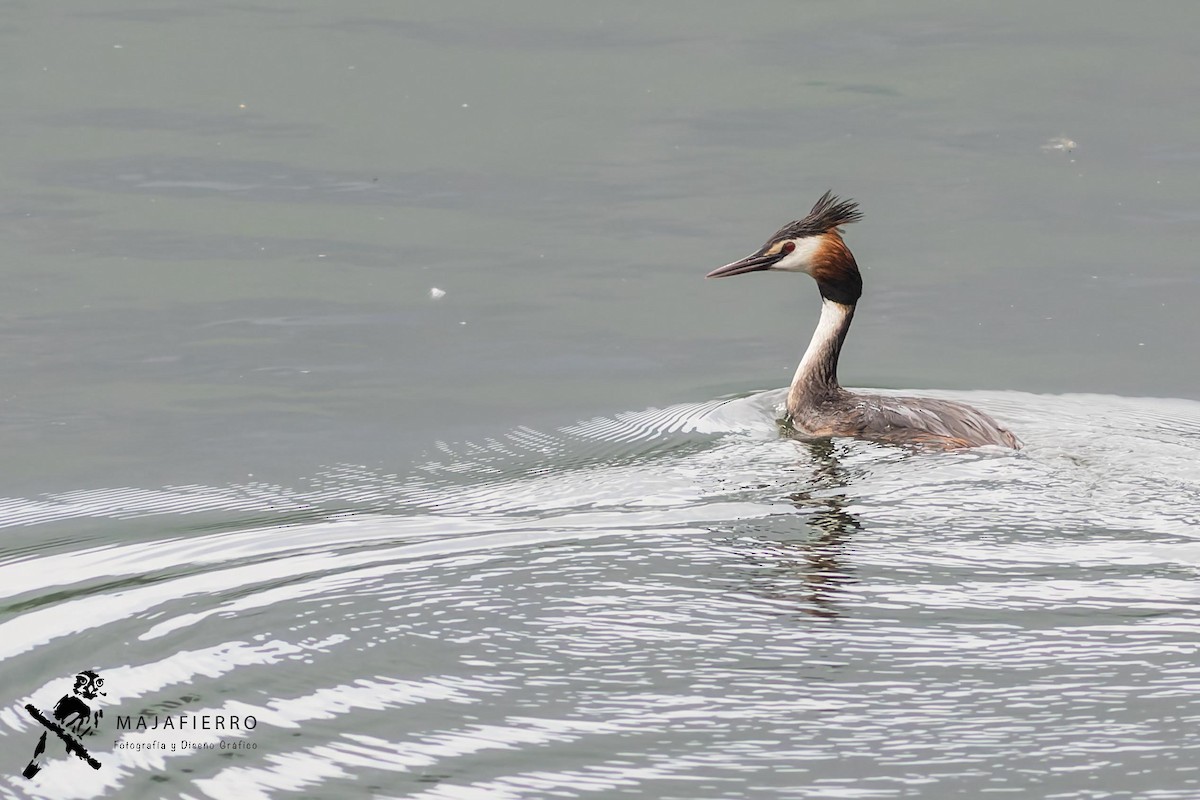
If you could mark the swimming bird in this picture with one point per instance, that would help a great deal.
(817, 406)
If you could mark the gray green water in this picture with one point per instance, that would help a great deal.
(253, 467)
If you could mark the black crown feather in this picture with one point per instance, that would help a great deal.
(828, 212)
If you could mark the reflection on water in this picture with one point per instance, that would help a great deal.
(826, 570)
(672, 603)
(806, 569)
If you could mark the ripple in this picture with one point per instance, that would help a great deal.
(669, 603)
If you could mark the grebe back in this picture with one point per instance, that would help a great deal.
(817, 406)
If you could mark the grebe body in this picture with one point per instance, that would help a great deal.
(817, 406)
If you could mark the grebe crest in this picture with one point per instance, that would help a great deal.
(817, 405)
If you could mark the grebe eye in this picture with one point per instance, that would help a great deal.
(787, 247)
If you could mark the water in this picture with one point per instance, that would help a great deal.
(675, 603)
(436, 547)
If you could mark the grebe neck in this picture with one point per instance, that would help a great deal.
(816, 377)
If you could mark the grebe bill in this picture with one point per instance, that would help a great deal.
(817, 405)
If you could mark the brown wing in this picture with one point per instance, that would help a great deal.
(925, 421)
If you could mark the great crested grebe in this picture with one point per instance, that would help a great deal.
(817, 406)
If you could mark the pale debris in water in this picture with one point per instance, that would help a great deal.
(1060, 143)
(436, 293)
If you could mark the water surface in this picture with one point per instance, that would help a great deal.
(253, 466)
(674, 603)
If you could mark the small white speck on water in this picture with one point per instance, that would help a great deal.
(1141, 344)
(466, 105)
(1061, 144)
(436, 293)
(464, 322)
(321, 255)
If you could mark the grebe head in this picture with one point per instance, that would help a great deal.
(812, 245)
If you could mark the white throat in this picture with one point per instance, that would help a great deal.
(820, 359)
